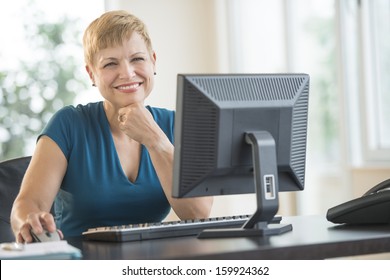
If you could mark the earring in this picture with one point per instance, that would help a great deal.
(155, 73)
(93, 85)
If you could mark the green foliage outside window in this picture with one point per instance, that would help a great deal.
(40, 86)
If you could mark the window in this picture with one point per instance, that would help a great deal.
(42, 66)
(366, 68)
(376, 72)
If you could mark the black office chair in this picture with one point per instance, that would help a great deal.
(11, 175)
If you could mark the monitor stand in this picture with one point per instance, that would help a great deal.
(266, 186)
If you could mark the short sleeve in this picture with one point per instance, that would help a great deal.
(60, 128)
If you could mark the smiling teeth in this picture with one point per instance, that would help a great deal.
(128, 87)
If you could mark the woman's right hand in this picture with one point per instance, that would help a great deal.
(38, 222)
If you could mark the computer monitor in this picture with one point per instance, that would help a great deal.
(241, 133)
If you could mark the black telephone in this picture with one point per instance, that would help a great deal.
(373, 207)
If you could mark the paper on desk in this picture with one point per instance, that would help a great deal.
(58, 250)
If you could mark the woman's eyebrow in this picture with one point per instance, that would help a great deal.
(108, 58)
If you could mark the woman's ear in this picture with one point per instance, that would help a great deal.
(154, 57)
(90, 73)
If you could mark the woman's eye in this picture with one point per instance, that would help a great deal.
(138, 59)
(109, 64)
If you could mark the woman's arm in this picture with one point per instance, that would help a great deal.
(161, 153)
(31, 209)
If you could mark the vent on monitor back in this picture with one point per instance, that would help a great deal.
(199, 136)
(249, 87)
(299, 135)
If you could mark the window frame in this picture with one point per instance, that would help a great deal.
(359, 78)
(372, 143)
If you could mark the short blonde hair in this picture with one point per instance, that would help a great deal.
(110, 30)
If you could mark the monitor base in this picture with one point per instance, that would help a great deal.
(270, 229)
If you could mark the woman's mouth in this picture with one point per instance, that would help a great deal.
(129, 87)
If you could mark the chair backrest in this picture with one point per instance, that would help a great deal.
(11, 175)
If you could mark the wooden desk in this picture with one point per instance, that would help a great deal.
(312, 237)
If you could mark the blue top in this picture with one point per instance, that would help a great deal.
(95, 191)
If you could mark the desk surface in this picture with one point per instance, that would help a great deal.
(312, 237)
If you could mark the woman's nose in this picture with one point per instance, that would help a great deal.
(127, 70)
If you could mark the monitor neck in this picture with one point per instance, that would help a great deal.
(265, 175)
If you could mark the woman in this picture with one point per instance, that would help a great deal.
(110, 162)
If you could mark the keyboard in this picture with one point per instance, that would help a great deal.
(138, 232)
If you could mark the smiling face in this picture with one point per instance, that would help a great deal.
(124, 74)
(119, 58)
